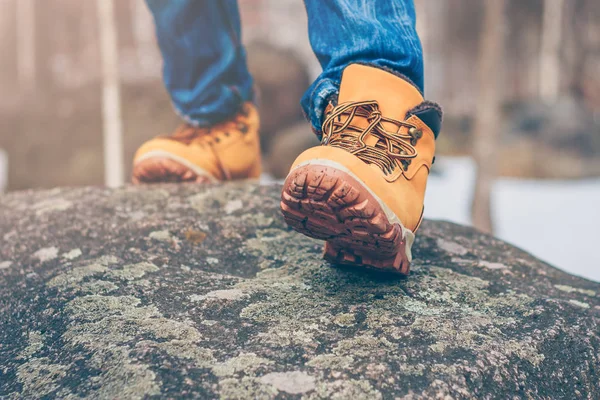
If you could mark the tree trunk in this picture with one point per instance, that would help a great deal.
(26, 44)
(550, 50)
(111, 98)
(143, 35)
(431, 26)
(487, 129)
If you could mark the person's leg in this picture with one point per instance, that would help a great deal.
(373, 32)
(204, 61)
(206, 75)
(363, 189)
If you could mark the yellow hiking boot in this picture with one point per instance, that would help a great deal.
(226, 151)
(362, 190)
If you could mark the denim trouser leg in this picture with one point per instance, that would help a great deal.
(376, 32)
(205, 68)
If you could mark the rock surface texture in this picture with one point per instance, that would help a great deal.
(203, 292)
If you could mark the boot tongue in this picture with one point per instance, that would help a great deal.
(394, 95)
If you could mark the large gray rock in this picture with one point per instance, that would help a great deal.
(187, 291)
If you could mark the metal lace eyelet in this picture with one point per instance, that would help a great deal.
(415, 133)
(243, 128)
(405, 164)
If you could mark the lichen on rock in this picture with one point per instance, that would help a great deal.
(203, 292)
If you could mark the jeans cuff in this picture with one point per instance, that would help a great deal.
(325, 92)
(219, 112)
(196, 122)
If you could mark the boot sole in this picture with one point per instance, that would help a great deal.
(186, 171)
(328, 202)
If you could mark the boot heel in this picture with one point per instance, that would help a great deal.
(347, 256)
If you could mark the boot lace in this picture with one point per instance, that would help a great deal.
(188, 133)
(391, 150)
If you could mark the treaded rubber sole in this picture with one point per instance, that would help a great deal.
(162, 169)
(326, 203)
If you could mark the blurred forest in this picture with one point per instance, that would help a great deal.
(50, 84)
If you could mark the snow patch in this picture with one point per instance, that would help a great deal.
(555, 220)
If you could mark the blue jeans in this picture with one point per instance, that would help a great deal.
(205, 63)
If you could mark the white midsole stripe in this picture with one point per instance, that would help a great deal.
(165, 154)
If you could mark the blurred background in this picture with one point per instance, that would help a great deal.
(519, 80)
